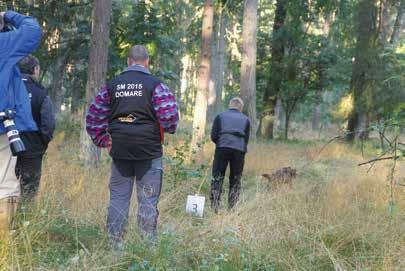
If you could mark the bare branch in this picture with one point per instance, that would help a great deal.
(380, 159)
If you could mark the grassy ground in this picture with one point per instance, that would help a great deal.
(334, 217)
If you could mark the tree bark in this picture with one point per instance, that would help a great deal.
(384, 21)
(362, 82)
(286, 124)
(221, 60)
(184, 82)
(399, 22)
(278, 110)
(56, 88)
(76, 97)
(321, 80)
(200, 109)
(97, 69)
(316, 115)
(212, 95)
(274, 82)
(248, 68)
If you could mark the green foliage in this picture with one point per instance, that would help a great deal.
(317, 60)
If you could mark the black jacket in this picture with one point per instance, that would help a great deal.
(231, 129)
(36, 143)
(133, 125)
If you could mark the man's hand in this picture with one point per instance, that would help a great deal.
(109, 146)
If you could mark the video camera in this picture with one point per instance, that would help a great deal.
(16, 144)
(5, 27)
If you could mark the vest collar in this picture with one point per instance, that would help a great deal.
(137, 68)
(28, 79)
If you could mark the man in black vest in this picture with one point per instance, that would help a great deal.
(29, 163)
(129, 115)
(230, 132)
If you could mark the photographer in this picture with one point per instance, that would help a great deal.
(29, 162)
(19, 36)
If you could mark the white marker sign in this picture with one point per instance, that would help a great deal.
(195, 205)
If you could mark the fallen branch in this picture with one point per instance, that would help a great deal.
(373, 163)
(380, 159)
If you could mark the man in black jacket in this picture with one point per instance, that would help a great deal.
(230, 132)
(29, 163)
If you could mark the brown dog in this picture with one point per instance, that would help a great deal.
(284, 175)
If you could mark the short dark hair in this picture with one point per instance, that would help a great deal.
(138, 53)
(28, 64)
(1, 23)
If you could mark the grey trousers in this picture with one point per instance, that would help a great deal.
(148, 189)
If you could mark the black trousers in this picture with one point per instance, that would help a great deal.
(236, 160)
(28, 171)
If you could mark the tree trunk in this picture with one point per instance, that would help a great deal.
(321, 80)
(316, 115)
(362, 131)
(221, 60)
(274, 82)
(248, 68)
(200, 109)
(384, 22)
(212, 95)
(97, 69)
(286, 124)
(362, 83)
(184, 82)
(76, 97)
(278, 110)
(396, 33)
(56, 88)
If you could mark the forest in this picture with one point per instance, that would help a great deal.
(323, 83)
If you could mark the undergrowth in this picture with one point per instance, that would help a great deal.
(334, 217)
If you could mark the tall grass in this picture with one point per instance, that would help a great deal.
(334, 217)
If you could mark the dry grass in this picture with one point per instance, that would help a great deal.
(335, 217)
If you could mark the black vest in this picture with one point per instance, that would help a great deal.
(33, 141)
(234, 125)
(133, 125)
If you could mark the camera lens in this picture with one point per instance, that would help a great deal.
(13, 135)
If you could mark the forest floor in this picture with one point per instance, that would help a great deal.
(336, 216)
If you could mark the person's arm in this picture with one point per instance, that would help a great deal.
(216, 129)
(97, 119)
(247, 131)
(47, 120)
(165, 107)
(24, 39)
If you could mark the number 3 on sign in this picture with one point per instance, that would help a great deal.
(195, 208)
(195, 205)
